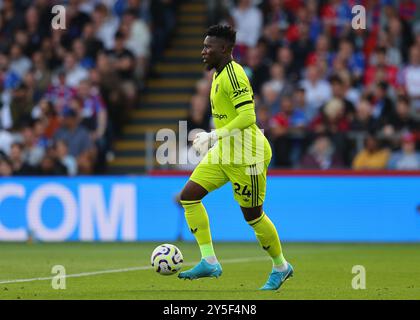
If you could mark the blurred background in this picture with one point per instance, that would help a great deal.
(88, 100)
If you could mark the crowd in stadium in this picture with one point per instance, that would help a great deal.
(65, 92)
(327, 95)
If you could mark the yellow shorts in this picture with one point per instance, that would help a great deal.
(248, 181)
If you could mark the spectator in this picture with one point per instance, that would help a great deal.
(19, 165)
(6, 139)
(163, 23)
(274, 39)
(322, 51)
(92, 110)
(46, 113)
(203, 88)
(65, 158)
(51, 166)
(75, 136)
(353, 61)
(332, 118)
(137, 39)
(411, 80)
(12, 20)
(315, 24)
(256, 70)
(278, 82)
(263, 119)
(42, 74)
(300, 103)
(381, 70)
(407, 158)
(402, 121)
(79, 49)
(363, 120)
(248, 24)
(21, 106)
(74, 71)
(383, 106)
(373, 156)
(276, 15)
(318, 91)
(118, 99)
(122, 58)
(321, 155)
(303, 45)
(92, 44)
(286, 132)
(393, 55)
(407, 9)
(39, 133)
(33, 91)
(336, 16)
(19, 63)
(270, 98)
(141, 8)
(399, 36)
(352, 93)
(105, 25)
(5, 167)
(59, 92)
(52, 53)
(94, 118)
(33, 150)
(286, 59)
(37, 25)
(338, 91)
(199, 116)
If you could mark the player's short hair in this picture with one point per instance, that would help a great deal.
(225, 32)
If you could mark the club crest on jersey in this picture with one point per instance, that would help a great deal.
(217, 88)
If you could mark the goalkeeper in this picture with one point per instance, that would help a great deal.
(238, 153)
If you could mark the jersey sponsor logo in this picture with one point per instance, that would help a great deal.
(219, 116)
(239, 92)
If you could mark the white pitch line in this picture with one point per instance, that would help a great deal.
(94, 273)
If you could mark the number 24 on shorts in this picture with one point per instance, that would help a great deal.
(245, 191)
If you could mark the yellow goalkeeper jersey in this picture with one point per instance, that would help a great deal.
(231, 93)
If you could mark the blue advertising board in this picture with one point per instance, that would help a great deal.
(304, 208)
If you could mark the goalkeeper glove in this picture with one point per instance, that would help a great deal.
(204, 141)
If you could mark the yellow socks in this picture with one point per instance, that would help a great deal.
(267, 236)
(265, 231)
(198, 222)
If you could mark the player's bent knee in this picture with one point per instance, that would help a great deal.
(192, 191)
(252, 213)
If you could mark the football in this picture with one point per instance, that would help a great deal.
(167, 259)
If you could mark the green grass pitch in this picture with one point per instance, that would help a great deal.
(322, 271)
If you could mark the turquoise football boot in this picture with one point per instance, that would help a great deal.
(277, 278)
(202, 270)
